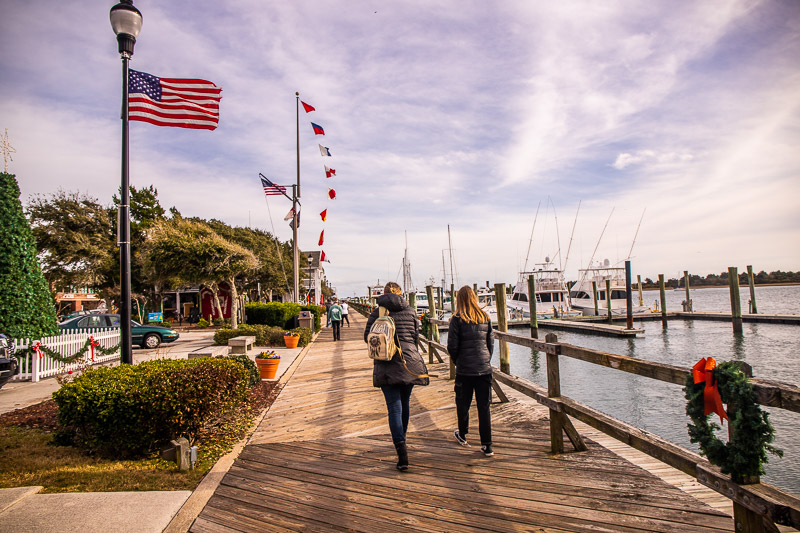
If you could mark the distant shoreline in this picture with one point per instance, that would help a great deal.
(692, 287)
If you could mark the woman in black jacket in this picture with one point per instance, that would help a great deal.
(470, 344)
(398, 376)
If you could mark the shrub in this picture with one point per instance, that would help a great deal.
(202, 323)
(305, 335)
(272, 313)
(133, 409)
(254, 377)
(265, 335)
(221, 322)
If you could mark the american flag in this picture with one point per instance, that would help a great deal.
(270, 189)
(180, 103)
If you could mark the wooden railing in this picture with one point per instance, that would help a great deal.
(757, 506)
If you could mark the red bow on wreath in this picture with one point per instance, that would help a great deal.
(702, 371)
(36, 348)
(92, 344)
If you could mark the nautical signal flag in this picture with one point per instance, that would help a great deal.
(321, 237)
(329, 172)
(324, 215)
(331, 194)
(308, 108)
(175, 102)
(270, 189)
(291, 222)
(317, 129)
(322, 257)
(290, 214)
(324, 151)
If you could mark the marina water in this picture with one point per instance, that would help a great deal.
(660, 408)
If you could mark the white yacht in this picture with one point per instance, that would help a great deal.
(582, 299)
(552, 297)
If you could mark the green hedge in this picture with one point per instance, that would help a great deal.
(134, 409)
(265, 335)
(279, 314)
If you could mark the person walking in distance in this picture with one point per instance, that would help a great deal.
(335, 318)
(345, 312)
(397, 377)
(470, 344)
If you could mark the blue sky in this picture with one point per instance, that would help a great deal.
(440, 113)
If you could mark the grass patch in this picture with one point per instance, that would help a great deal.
(28, 456)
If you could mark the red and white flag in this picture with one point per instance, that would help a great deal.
(322, 257)
(331, 194)
(321, 237)
(329, 172)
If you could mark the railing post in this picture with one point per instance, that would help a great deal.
(554, 391)
(35, 364)
(736, 303)
(608, 299)
(502, 325)
(594, 296)
(434, 329)
(663, 295)
(641, 296)
(751, 280)
(532, 306)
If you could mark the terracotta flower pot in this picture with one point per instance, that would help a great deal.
(290, 341)
(267, 368)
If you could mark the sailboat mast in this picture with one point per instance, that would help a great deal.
(636, 234)
(558, 235)
(569, 246)
(525, 268)
(450, 247)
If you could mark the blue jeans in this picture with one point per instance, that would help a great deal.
(397, 397)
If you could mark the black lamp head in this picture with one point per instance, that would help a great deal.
(126, 22)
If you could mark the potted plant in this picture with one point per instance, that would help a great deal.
(268, 364)
(291, 338)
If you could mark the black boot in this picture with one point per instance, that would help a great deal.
(402, 455)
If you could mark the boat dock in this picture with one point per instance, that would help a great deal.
(322, 459)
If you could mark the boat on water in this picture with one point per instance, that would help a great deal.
(581, 294)
(552, 296)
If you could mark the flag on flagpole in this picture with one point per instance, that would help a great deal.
(331, 194)
(321, 237)
(174, 102)
(324, 215)
(324, 150)
(291, 221)
(322, 257)
(270, 189)
(308, 108)
(289, 215)
(329, 172)
(317, 129)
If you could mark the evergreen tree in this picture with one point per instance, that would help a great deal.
(27, 305)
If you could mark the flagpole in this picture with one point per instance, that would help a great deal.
(295, 195)
(296, 261)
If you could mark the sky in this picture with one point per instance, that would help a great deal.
(465, 115)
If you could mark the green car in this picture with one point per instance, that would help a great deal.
(145, 336)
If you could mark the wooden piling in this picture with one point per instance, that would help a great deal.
(502, 325)
(434, 329)
(751, 280)
(412, 301)
(452, 299)
(736, 303)
(532, 306)
(628, 297)
(663, 295)
(608, 299)
(641, 295)
(594, 296)
(688, 294)
(475, 288)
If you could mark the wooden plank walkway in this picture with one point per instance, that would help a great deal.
(322, 460)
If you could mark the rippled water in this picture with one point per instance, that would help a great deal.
(772, 350)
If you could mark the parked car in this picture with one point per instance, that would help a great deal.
(8, 363)
(145, 336)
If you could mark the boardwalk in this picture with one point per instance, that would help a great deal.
(322, 460)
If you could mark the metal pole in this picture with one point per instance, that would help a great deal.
(297, 114)
(295, 251)
(124, 227)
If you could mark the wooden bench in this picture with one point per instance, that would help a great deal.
(241, 344)
(209, 351)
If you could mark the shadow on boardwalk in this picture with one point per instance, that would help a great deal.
(322, 460)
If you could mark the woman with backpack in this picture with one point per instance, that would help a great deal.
(470, 344)
(397, 377)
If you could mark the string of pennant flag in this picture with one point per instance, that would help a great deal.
(329, 172)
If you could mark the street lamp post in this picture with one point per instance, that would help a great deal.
(126, 21)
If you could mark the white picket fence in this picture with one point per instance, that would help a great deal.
(34, 368)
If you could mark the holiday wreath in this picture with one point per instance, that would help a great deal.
(710, 385)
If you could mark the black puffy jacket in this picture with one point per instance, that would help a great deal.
(470, 347)
(406, 326)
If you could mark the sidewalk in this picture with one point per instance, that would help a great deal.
(23, 510)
